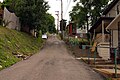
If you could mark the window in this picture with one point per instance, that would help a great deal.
(109, 15)
(117, 9)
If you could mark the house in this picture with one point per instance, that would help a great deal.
(103, 38)
(71, 29)
(81, 32)
(114, 28)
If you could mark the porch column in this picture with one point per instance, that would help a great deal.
(70, 30)
(103, 31)
(119, 39)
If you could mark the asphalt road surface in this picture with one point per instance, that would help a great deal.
(53, 62)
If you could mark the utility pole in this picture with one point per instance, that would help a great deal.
(62, 33)
(57, 20)
(61, 9)
(62, 19)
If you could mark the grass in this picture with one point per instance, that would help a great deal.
(13, 43)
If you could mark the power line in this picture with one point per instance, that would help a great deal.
(67, 7)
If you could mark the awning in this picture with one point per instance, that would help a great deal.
(114, 24)
(98, 25)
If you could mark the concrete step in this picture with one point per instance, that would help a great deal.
(98, 61)
(108, 73)
(103, 63)
(109, 66)
(103, 66)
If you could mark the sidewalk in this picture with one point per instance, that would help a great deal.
(104, 67)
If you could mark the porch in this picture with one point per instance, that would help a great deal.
(101, 36)
(114, 29)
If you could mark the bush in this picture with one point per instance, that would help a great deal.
(78, 41)
(39, 37)
(14, 43)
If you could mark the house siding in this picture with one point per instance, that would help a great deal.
(104, 52)
(115, 38)
(113, 11)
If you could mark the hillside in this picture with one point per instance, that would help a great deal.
(15, 46)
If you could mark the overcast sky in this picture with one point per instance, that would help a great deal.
(1, 0)
(55, 5)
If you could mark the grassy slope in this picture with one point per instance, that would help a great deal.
(13, 43)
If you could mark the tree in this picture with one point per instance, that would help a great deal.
(83, 7)
(78, 15)
(33, 14)
(99, 6)
(51, 23)
(9, 4)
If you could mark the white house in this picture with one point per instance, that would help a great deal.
(103, 37)
(114, 28)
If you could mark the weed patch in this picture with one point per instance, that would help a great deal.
(15, 46)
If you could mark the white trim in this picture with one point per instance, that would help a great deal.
(113, 24)
(103, 31)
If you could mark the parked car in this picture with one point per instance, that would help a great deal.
(44, 36)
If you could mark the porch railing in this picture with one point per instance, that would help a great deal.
(99, 38)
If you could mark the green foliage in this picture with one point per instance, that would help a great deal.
(50, 22)
(109, 79)
(39, 36)
(32, 13)
(7, 59)
(13, 43)
(78, 41)
(99, 6)
(52, 29)
(9, 4)
(83, 7)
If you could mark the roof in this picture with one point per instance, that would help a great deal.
(98, 22)
(113, 25)
(106, 10)
(110, 6)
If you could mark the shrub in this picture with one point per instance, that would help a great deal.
(78, 41)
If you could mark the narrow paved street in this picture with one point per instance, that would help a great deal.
(52, 63)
